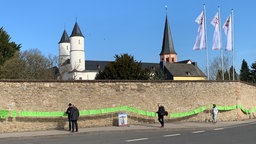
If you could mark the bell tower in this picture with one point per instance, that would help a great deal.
(77, 57)
(167, 53)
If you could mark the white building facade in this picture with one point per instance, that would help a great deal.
(72, 56)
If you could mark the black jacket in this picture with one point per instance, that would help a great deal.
(74, 113)
(68, 112)
(161, 111)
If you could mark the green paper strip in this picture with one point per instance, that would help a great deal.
(243, 109)
(252, 110)
(4, 114)
(189, 113)
(13, 114)
(41, 114)
(84, 112)
(227, 108)
(102, 111)
(123, 108)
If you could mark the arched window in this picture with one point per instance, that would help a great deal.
(167, 59)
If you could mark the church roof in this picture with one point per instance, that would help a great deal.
(184, 69)
(175, 69)
(167, 45)
(93, 65)
(64, 38)
(76, 31)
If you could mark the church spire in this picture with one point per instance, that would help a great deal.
(167, 53)
(64, 38)
(76, 31)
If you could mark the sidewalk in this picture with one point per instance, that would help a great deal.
(174, 125)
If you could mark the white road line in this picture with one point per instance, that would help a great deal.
(218, 129)
(133, 140)
(195, 132)
(171, 135)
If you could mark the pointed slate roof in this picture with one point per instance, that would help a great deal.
(76, 31)
(167, 46)
(183, 69)
(64, 38)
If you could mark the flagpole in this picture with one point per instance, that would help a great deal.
(221, 50)
(232, 30)
(206, 47)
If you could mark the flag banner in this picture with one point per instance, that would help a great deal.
(228, 32)
(216, 36)
(201, 34)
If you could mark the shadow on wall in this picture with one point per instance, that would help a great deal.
(110, 119)
(140, 120)
(88, 121)
(60, 122)
(205, 113)
(94, 120)
(181, 119)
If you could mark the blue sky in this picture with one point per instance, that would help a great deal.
(128, 26)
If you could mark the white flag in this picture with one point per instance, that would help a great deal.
(201, 34)
(216, 36)
(228, 32)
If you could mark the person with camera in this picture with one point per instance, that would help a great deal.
(161, 113)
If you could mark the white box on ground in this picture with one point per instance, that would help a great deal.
(122, 119)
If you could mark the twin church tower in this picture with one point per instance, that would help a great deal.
(72, 55)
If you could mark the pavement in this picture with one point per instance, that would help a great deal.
(168, 126)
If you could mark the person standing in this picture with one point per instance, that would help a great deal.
(74, 115)
(214, 113)
(68, 112)
(161, 113)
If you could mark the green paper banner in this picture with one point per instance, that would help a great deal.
(246, 110)
(5, 113)
(226, 108)
(13, 114)
(40, 114)
(189, 113)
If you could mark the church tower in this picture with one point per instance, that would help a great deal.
(77, 57)
(64, 48)
(168, 53)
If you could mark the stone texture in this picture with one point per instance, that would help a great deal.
(176, 96)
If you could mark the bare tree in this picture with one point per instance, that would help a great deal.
(216, 66)
(30, 64)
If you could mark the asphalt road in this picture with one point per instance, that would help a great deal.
(240, 134)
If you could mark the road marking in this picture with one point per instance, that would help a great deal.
(218, 129)
(171, 135)
(195, 132)
(133, 140)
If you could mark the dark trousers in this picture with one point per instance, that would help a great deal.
(161, 120)
(74, 125)
(69, 125)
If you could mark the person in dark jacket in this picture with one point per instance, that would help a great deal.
(68, 112)
(74, 115)
(161, 113)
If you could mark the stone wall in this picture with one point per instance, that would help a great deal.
(176, 96)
